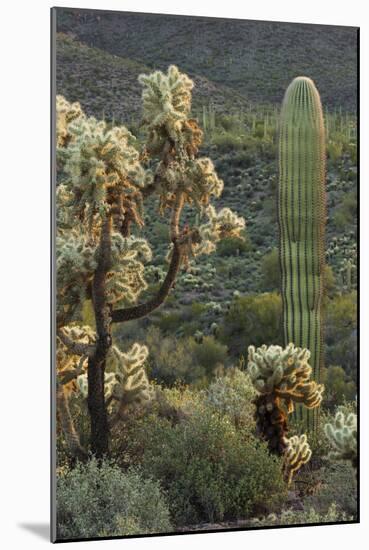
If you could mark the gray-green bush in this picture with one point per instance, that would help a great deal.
(210, 470)
(101, 500)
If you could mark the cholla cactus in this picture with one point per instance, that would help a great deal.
(103, 181)
(175, 138)
(72, 345)
(75, 266)
(110, 380)
(286, 373)
(126, 280)
(65, 113)
(282, 378)
(103, 170)
(220, 225)
(166, 104)
(132, 385)
(342, 434)
(297, 454)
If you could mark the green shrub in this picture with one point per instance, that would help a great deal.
(334, 150)
(211, 471)
(270, 271)
(209, 354)
(338, 484)
(233, 246)
(340, 332)
(303, 517)
(232, 395)
(338, 386)
(253, 320)
(345, 214)
(95, 501)
(170, 359)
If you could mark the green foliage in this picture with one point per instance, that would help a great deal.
(302, 216)
(210, 471)
(340, 332)
(338, 386)
(234, 246)
(100, 500)
(232, 395)
(345, 214)
(252, 319)
(170, 360)
(270, 271)
(208, 354)
(183, 360)
(303, 517)
(336, 483)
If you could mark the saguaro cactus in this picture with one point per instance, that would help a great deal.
(301, 215)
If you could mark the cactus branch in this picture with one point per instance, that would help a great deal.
(141, 310)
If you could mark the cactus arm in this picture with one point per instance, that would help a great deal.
(143, 309)
(75, 347)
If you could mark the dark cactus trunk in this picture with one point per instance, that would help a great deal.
(96, 404)
(96, 365)
(271, 422)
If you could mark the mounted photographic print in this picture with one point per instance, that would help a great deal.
(204, 220)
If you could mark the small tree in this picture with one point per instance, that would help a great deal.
(104, 182)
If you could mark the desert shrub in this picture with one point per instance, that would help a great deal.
(227, 141)
(338, 386)
(303, 517)
(270, 271)
(170, 359)
(232, 395)
(337, 484)
(209, 354)
(329, 282)
(100, 500)
(210, 471)
(170, 321)
(233, 246)
(345, 214)
(340, 332)
(253, 320)
(334, 150)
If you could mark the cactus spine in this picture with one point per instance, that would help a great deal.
(301, 216)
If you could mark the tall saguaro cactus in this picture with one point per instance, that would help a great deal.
(301, 215)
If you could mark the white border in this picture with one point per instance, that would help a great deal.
(24, 268)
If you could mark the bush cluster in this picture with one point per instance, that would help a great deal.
(210, 470)
(95, 500)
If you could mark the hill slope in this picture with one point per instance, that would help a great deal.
(255, 58)
(107, 85)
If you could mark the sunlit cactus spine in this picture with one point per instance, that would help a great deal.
(302, 216)
(342, 435)
(282, 378)
(297, 454)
